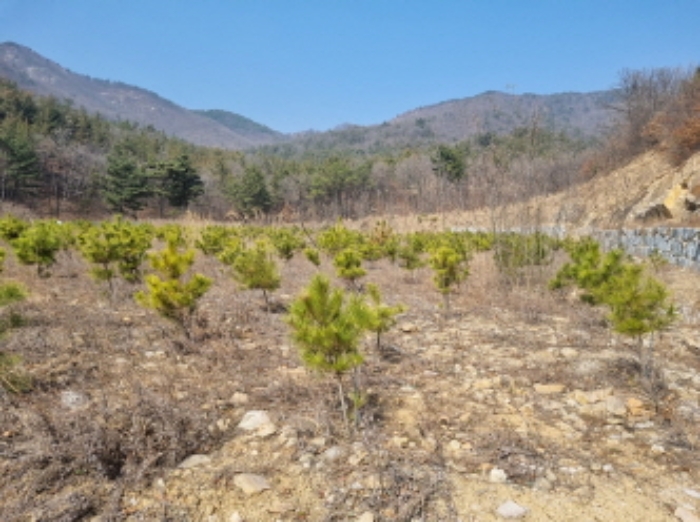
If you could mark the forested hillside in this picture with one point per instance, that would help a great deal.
(61, 161)
(118, 101)
(57, 159)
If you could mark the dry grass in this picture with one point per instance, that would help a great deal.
(120, 396)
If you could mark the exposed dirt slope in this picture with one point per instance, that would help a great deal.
(628, 197)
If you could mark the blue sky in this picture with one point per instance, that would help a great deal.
(314, 64)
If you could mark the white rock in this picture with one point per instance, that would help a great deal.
(258, 421)
(251, 484)
(73, 400)
(498, 476)
(366, 517)
(454, 445)
(193, 461)
(685, 514)
(691, 493)
(235, 517)
(510, 509)
(333, 453)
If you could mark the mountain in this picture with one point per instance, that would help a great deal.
(579, 114)
(119, 101)
(583, 115)
(241, 124)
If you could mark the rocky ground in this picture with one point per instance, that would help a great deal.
(520, 404)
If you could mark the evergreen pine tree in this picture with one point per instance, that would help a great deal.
(255, 268)
(327, 326)
(168, 291)
(39, 245)
(450, 269)
(126, 186)
(381, 316)
(348, 266)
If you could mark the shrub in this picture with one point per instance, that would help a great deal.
(12, 378)
(213, 239)
(408, 253)
(12, 227)
(39, 245)
(338, 238)
(450, 269)
(348, 266)
(313, 256)
(254, 268)
(168, 292)
(327, 326)
(115, 247)
(286, 241)
(381, 317)
(637, 304)
(515, 252)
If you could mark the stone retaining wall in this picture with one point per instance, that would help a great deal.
(680, 246)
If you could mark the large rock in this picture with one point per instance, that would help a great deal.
(257, 421)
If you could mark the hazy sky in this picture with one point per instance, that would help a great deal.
(315, 64)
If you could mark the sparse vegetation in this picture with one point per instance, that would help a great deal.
(99, 404)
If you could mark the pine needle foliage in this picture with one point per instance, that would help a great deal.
(327, 326)
(168, 291)
(590, 270)
(638, 304)
(382, 241)
(39, 244)
(11, 293)
(12, 378)
(381, 316)
(287, 241)
(337, 238)
(11, 227)
(514, 252)
(115, 247)
(409, 254)
(450, 268)
(313, 256)
(348, 266)
(213, 239)
(254, 268)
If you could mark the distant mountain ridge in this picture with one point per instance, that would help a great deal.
(119, 101)
(582, 114)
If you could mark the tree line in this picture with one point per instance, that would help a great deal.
(58, 159)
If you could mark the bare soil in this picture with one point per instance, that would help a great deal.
(519, 394)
